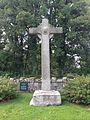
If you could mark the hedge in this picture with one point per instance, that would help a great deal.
(78, 90)
(7, 89)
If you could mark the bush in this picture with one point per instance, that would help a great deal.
(70, 76)
(7, 89)
(78, 90)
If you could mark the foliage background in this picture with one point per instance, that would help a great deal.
(78, 90)
(20, 53)
(7, 90)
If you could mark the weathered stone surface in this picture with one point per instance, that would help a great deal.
(45, 31)
(33, 85)
(45, 98)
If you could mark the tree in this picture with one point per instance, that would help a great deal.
(23, 50)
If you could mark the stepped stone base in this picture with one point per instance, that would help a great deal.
(45, 98)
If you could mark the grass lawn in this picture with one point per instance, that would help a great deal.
(19, 109)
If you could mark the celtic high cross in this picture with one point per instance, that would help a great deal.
(45, 31)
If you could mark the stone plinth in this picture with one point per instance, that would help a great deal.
(45, 98)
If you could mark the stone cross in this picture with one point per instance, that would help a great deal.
(45, 31)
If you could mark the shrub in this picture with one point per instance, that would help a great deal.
(7, 89)
(70, 76)
(78, 90)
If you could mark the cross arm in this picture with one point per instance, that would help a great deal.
(35, 30)
(56, 30)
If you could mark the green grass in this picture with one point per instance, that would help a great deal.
(19, 109)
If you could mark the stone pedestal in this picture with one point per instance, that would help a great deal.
(45, 98)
